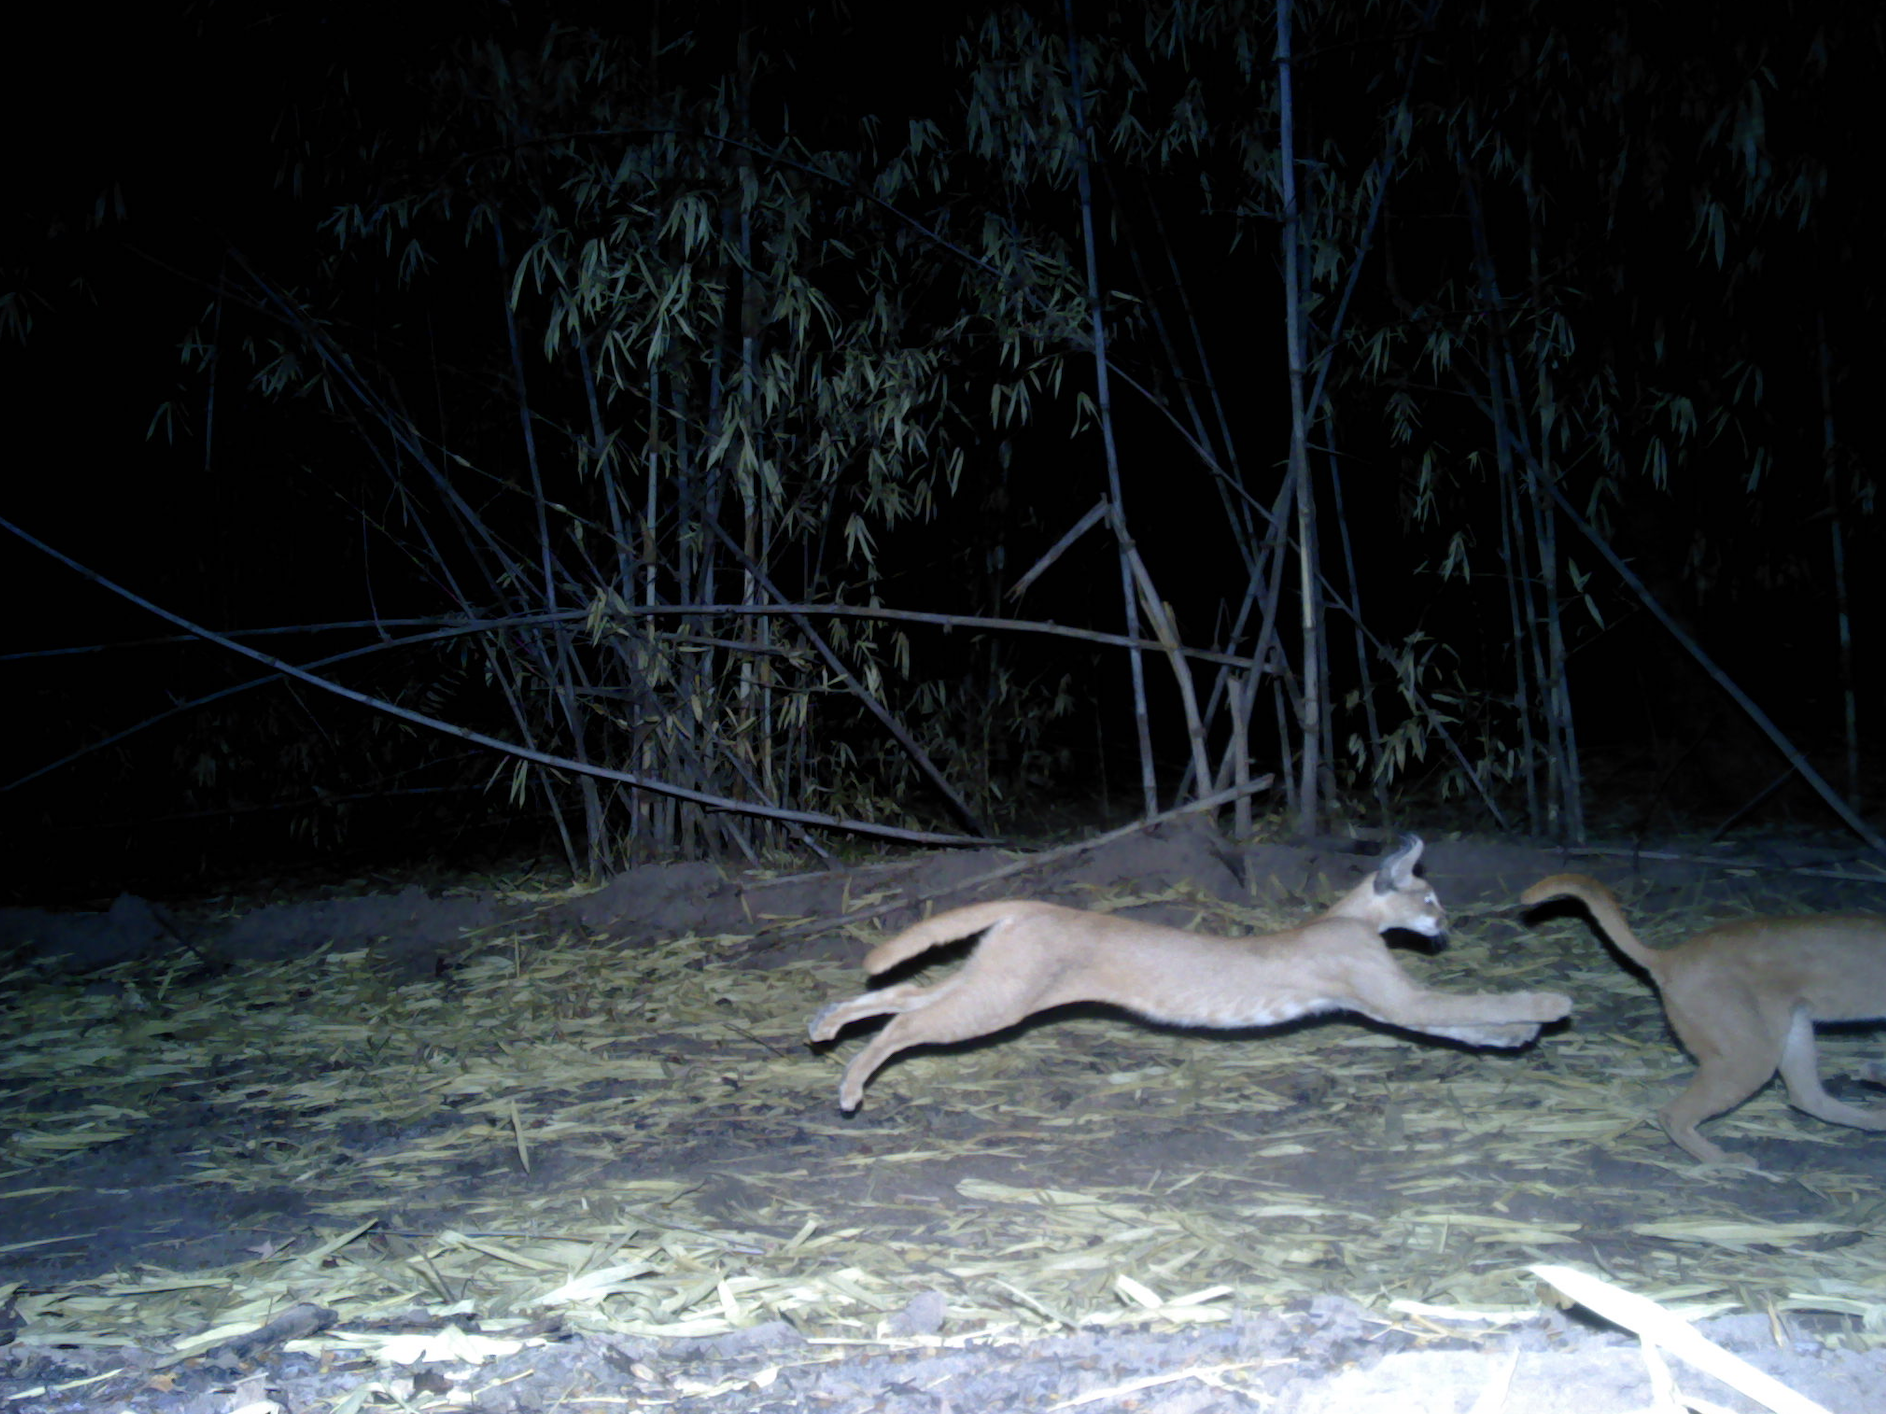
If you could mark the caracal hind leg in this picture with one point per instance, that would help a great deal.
(828, 1021)
(1480, 1018)
(1724, 1080)
(1737, 1049)
(1800, 1070)
(946, 1015)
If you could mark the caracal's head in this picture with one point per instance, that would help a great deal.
(1396, 898)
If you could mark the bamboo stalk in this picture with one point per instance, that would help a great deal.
(1239, 690)
(1310, 718)
(1161, 615)
(555, 663)
(1843, 618)
(1365, 683)
(1568, 796)
(1704, 661)
(1512, 537)
(1103, 400)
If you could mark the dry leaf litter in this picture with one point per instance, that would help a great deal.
(544, 1104)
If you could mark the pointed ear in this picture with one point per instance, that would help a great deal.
(1397, 870)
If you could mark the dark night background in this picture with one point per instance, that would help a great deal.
(174, 174)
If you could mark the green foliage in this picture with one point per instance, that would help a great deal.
(623, 327)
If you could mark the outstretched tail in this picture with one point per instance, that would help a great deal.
(1604, 909)
(947, 927)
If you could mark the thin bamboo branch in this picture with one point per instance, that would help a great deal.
(1263, 589)
(1520, 611)
(1843, 618)
(195, 702)
(785, 932)
(478, 540)
(618, 610)
(165, 640)
(404, 433)
(864, 695)
(1704, 661)
(1237, 515)
(1421, 705)
(1381, 172)
(1059, 548)
(512, 749)
(1729, 820)
(600, 455)
(1739, 864)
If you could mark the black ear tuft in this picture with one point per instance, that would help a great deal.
(1398, 868)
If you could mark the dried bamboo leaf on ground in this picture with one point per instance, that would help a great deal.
(688, 1175)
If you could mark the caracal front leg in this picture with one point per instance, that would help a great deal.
(1479, 1018)
(1800, 1071)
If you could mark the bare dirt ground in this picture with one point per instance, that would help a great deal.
(1087, 1213)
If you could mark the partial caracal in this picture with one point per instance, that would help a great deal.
(1743, 999)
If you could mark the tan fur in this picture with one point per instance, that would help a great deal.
(1743, 999)
(1036, 955)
